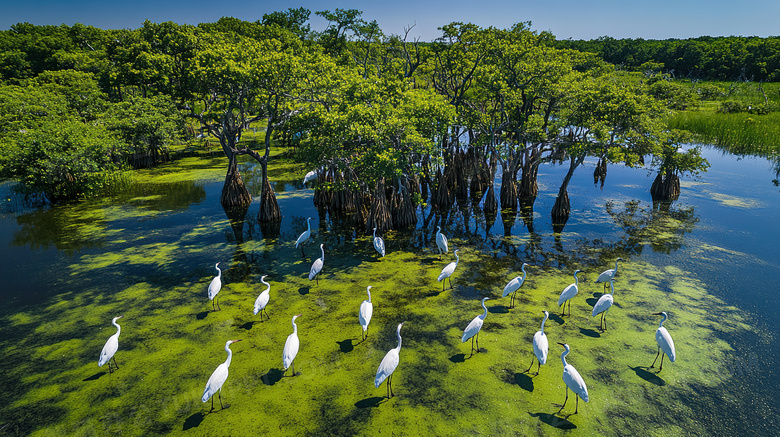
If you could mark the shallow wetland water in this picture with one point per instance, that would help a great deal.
(709, 260)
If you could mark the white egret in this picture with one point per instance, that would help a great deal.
(310, 176)
(388, 365)
(316, 266)
(214, 287)
(441, 241)
(262, 300)
(112, 345)
(379, 244)
(214, 385)
(603, 305)
(540, 346)
(472, 331)
(447, 271)
(291, 347)
(608, 275)
(664, 340)
(365, 313)
(514, 285)
(573, 381)
(568, 293)
(304, 236)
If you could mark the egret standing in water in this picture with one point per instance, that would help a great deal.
(214, 287)
(113, 344)
(608, 275)
(514, 285)
(365, 313)
(218, 378)
(664, 340)
(573, 381)
(316, 266)
(568, 293)
(262, 300)
(304, 236)
(379, 244)
(447, 271)
(603, 305)
(441, 242)
(472, 331)
(388, 365)
(291, 347)
(540, 346)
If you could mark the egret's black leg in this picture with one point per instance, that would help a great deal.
(477, 341)
(450, 279)
(538, 366)
(117, 365)
(662, 362)
(472, 347)
(391, 386)
(656, 357)
(532, 364)
(212, 305)
(212, 403)
(219, 393)
(565, 400)
(577, 404)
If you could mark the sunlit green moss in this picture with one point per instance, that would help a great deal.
(171, 340)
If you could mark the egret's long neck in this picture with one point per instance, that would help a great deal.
(563, 357)
(523, 269)
(308, 224)
(662, 321)
(374, 232)
(611, 287)
(485, 314)
(457, 258)
(369, 295)
(323, 253)
(399, 338)
(295, 328)
(219, 275)
(616, 265)
(119, 328)
(544, 320)
(230, 354)
(266, 284)
(576, 281)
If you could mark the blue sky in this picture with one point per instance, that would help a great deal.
(582, 19)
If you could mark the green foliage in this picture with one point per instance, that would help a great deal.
(63, 159)
(673, 94)
(150, 124)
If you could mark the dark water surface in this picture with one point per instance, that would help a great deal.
(150, 253)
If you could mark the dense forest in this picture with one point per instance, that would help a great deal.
(710, 58)
(388, 122)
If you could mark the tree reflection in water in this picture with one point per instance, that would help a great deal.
(662, 226)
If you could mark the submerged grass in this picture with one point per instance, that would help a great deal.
(171, 341)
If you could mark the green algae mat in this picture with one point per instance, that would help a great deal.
(151, 257)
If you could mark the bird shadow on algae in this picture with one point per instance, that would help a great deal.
(370, 402)
(346, 345)
(554, 421)
(193, 421)
(94, 377)
(648, 376)
(524, 381)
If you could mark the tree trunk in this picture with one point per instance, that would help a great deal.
(600, 173)
(530, 168)
(234, 192)
(379, 217)
(665, 187)
(509, 185)
(562, 209)
(269, 208)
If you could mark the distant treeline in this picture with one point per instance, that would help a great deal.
(712, 58)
